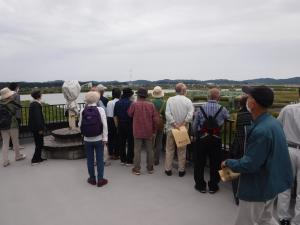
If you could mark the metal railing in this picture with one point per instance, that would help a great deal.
(54, 116)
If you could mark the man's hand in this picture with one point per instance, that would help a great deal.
(104, 142)
(41, 132)
(223, 164)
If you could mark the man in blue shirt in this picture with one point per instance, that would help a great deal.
(266, 166)
(124, 126)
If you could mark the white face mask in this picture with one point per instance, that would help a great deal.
(249, 110)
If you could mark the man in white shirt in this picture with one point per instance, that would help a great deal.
(179, 112)
(290, 119)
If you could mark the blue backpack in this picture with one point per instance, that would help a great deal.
(91, 123)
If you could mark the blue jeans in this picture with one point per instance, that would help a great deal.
(91, 148)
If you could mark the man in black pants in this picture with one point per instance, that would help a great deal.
(36, 124)
(113, 145)
(124, 125)
(207, 127)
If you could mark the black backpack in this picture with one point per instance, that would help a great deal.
(210, 125)
(91, 124)
(5, 117)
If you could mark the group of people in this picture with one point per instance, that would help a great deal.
(265, 150)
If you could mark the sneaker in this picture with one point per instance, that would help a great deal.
(91, 181)
(129, 164)
(168, 172)
(102, 182)
(123, 164)
(150, 170)
(35, 163)
(5, 164)
(200, 189)
(181, 173)
(213, 190)
(20, 157)
(136, 171)
(107, 163)
(284, 222)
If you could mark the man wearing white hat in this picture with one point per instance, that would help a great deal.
(9, 125)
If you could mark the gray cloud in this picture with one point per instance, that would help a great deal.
(104, 40)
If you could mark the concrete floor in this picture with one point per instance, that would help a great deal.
(56, 193)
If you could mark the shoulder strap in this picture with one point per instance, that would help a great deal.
(220, 109)
(16, 104)
(162, 107)
(203, 112)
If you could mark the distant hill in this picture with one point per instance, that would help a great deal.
(266, 81)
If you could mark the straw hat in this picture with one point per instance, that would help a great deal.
(92, 97)
(157, 92)
(6, 93)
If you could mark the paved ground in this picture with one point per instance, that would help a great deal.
(56, 193)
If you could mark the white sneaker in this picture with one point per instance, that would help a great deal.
(20, 157)
(107, 163)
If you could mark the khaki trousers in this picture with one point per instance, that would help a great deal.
(256, 213)
(170, 150)
(6, 135)
(138, 143)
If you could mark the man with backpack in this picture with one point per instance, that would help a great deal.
(207, 127)
(93, 126)
(9, 125)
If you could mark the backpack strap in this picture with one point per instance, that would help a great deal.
(162, 107)
(220, 109)
(203, 112)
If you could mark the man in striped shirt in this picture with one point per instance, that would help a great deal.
(208, 144)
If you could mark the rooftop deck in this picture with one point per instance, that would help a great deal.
(56, 193)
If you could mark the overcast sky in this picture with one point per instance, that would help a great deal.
(121, 40)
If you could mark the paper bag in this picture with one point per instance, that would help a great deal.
(181, 137)
(227, 174)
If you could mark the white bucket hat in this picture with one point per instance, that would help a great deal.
(92, 97)
(157, 92)
(6, 93)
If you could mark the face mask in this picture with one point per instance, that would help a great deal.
(248, 108)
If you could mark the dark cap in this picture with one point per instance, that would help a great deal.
(142, 92)
(263, 95)
(127, 92)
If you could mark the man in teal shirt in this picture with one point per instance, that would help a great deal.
(265, 167)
